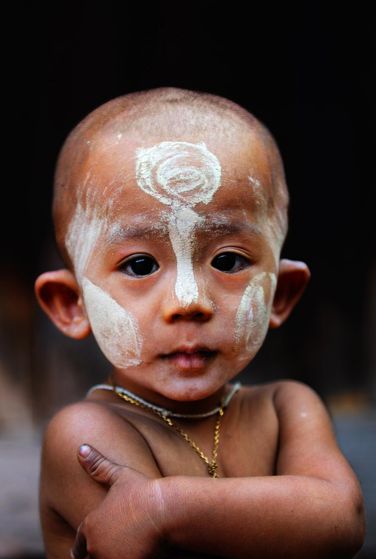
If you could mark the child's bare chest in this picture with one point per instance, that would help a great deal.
(246, 441)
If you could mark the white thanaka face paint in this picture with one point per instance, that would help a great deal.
(272, 226)
(82, 236)
(256, 184)
(181, 228)
(275, 238)
(252, 317)
(114, 328)
(180, 175)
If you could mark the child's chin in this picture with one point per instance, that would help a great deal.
(190, 390)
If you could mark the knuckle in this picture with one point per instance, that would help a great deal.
(101, 468)
(96, 464)
(112, 473)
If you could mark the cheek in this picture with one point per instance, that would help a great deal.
(252, 317)
(114, 328)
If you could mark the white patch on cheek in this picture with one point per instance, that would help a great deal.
(114, 328)
(181, 229)
(252, 317)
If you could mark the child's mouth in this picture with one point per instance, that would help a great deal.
(191, 358)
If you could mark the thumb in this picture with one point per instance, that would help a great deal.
(99, 468)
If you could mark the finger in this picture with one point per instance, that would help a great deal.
(79, 550)
(100, 468)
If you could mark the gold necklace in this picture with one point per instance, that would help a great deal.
(212, 465)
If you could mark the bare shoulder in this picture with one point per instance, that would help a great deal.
(100, 425)
(307, 442)
(97, 424)
(67, 493)
(280, 392)
(301, 410)
(287, 406)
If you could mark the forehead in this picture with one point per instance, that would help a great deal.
(127, 174)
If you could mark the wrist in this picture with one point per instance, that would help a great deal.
(158, 510)
(172, 501)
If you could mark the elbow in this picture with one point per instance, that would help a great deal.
(357, 528)
(350, 531)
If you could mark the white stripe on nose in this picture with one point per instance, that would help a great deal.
(182, 224)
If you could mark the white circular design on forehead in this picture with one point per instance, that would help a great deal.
(178, 172)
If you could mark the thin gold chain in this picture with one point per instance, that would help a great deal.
(212, 465)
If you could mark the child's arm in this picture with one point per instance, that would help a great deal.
(67, 494)
(312, 508)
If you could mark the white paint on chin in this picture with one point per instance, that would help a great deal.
(252, 317)
(114, 328)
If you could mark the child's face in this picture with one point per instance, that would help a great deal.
(177, 259)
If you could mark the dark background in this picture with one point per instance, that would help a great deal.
(305, 69)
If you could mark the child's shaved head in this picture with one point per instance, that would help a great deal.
(157, 115)
(170, 209)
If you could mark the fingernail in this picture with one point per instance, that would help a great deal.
(84, 450)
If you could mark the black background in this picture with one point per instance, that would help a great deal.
(305, 69)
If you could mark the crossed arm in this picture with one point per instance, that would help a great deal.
(312, 508)
(269, 517)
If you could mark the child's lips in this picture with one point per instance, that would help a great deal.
(192, 358)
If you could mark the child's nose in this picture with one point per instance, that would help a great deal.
(200, 310)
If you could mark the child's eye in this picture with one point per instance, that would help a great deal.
(139, 265)
(230, 262)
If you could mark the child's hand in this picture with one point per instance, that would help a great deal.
(120, 527)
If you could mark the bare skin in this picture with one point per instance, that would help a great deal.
(285, 490)
(282, 475)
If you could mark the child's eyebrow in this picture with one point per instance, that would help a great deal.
(222, 225)
(219, 224)
(119, 233)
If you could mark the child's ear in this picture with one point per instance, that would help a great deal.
(59, 296)
(292, 280)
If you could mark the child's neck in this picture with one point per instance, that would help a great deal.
(203, 406)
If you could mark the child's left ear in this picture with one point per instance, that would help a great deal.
(293, 277)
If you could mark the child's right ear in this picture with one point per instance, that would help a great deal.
(59, 296)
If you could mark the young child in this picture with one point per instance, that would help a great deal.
(170, 209)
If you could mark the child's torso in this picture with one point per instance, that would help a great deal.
(248, 437)
(248, 446)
